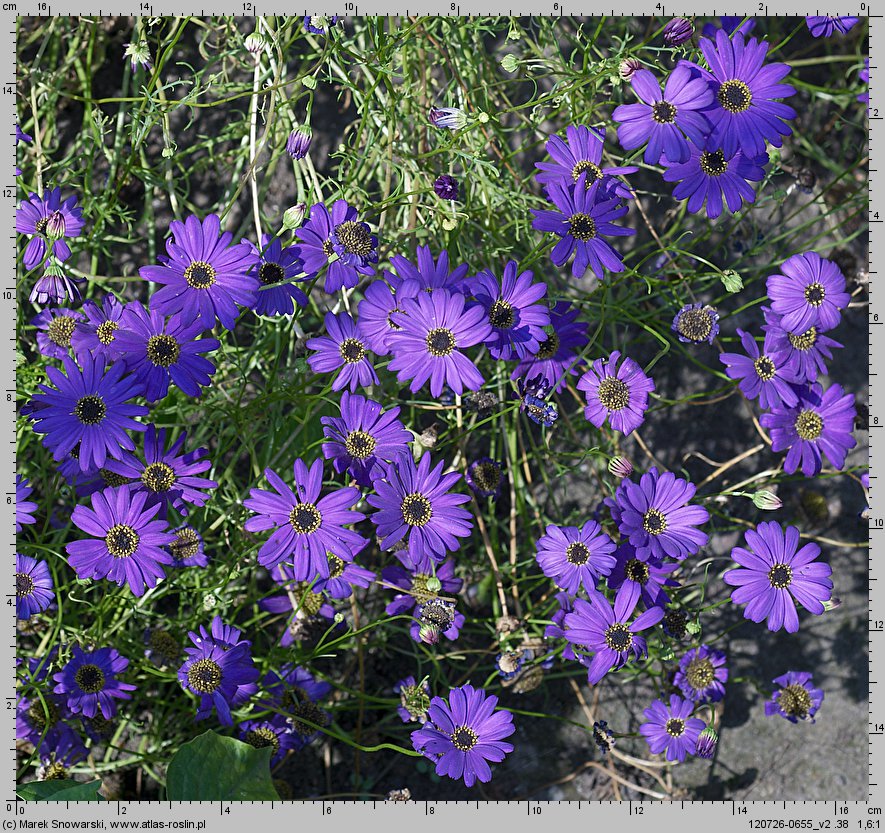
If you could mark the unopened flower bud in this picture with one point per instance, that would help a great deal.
(452, 118)
(509, 63)
(833, 603)
(254, 43)
(628, 67)
(707, 741)
(429, 634)
(209, 601)
(55, 225)
(298, 143)
(767, 500)
(620, 467)
(434, 585)
(293, 217)
(678, 31)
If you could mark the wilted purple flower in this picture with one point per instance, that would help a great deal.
(557, 355)
(809, 293)
(48, 221)
(298, 143)
(616, 392)
(821, 422)
(696, 323)
(775, 573)
(446, 187)
(678, 31)
(670, 729)
(532, 395)
(766, 374)
(702, 675)
(34, 588)
(827, 25)
(187, 549)
(343, 348)
(414, 699)
(796, 699)
(463, 734)
(139, 54)
(571, 556)
(54, 287)
(90, 682)
(485, 476)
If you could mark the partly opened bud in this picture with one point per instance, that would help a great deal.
(620, 467)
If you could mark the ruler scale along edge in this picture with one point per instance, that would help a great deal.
(213, 816)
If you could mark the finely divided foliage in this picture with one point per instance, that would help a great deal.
(381, 377)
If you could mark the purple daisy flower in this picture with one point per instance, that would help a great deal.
(273, 732)
(514, 310)
(463, 734)
(446, 187)
(670, 729)
(809, 293)
(415, 502)
(729, 25)
(34, 588)
(48, 221)
(555, 359)
(90, 682)
(821, 422)
(414, 699)
(87, 409)
(344, 578)
(571, 556)
(656, 518)
(485, 477)
(167, 477)
(434, 329)
(747, 92)
(644, 580)
(617, 393)
(775, 573)
(702, 675)
(339, 232)
(796, 699)
(24, 508)
(204, 276)
(98, 333)
(221, 674)
(583, 217)
(306, 526)
(127, 544)
(827, 25)
(187, 549)
(765, 375)
(808, 352)
(429, 275)
(665, 119)
(581, 153)
(594, 625)
(378, 303)
(54, 330)
(275, 268)
(711, 176)
(54, 287)
(364, 438)
(158, 352)
(343, 348)
(696, 323)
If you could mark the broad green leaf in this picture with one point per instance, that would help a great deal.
(60, 790)
(215, 768)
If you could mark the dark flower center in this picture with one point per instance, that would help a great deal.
(582, 227)
(585, 166)
(261, 738)
(440, 342)
(464, 738)
(618, 637)
(765, 368)
(158, 477)
(419, 588)
(163, 350)
(390, 322)
(121, 540)
(674, 623)
(795, 701)
(355, 237)
(60, 330)
(24, 585)
(305, 518)
(90, 409)
(106, 331)
(809, 425)
(112, 479)
(501, 315)
(90, 678)
(735, 96)
(40, 225)
(486, 476)
(675, 726)
(695, 324)
(636, 570)
(352, 350)
(613, 394)
(577, 553)
(417, 509)
(663, 112)
(803, 341)
(814, 294)
(271, 273)
(328, 248)
(336, 565)
(44, 714)
(780, 576)
(548, 347)
(359, 445)
(307, 710)
(308, 601)
(654, 522)
(164, 645)
(713, 163)
(55, 771)
(200, 275)
(204, 676)
(186, 544)
(292, 697)
(700, 673)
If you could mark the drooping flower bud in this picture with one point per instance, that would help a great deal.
(298, 143)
